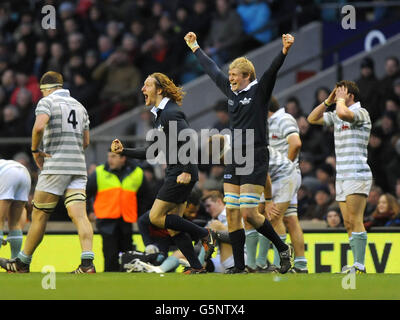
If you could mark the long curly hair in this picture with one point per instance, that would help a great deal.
(169, 89)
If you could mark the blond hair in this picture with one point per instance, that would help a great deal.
(169, 89)
(245, 66)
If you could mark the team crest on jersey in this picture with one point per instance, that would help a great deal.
(230, 102)
(227, 176)
(274, 136)
(160, 128)
(245, 101)
(345, 127)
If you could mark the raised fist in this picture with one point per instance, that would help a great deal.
(116, 146)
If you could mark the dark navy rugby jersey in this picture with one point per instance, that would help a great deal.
(248, 108)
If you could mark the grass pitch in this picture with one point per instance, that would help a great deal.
(175, 286)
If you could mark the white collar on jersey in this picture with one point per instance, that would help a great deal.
(161, 106)
(355, 106)
(277, 113)
(247, 88)
(60, 92)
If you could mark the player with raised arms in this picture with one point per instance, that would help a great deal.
(248, 101)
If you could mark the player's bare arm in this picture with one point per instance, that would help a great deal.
(341, 109)
(294, 142)
(317, 115)
(37, 136)
(86, 139)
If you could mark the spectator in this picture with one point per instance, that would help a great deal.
(334, 219)
(8, 82)
(223, 41)
(91, 61)
(387, 209)
(293, 107)
(105, 47)
(379, 151)
(392, 169)
(24, 80)
(138, 30)
(10, 128)
(255, 17)
(325, 173)
(321, 94)
(304, 197)
(26, 110)
(200, 21)
(75, 44)
(42, 56)
(372, 200)
(83, 90)
(392, 71)
(318, 210)
(367, 83)
(113, 31)
(221, 111)
(121, 82)
(313, 141)
(57, 57)
(22, 58)
(388, 125)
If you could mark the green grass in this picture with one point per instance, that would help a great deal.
(176, 286)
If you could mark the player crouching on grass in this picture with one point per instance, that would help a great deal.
(352, 126)
(167, 210)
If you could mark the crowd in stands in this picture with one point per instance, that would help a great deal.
(105, 49)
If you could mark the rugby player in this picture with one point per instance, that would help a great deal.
(284, 138)
(248, 102)
(161, 93)
(14, 192)
(352, 127)
(62, 124)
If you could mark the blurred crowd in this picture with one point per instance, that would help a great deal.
(104, 49)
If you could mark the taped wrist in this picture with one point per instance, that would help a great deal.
(192, 45)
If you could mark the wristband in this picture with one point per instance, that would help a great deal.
(35, 151)
(268, 200)
(192, 45)
(326, 104)
(341, 99)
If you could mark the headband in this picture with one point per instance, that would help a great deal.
(50, 86)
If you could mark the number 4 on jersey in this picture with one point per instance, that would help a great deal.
(72, 118)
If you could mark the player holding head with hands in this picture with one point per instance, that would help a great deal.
(352, 126)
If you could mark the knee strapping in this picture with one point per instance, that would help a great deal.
(73, 197)
(249, 200)
(291, 211)
(45, 207)
(232, 200)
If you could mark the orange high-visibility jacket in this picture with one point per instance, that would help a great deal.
(117, 199)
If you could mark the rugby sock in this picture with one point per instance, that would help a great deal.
(202, 255)
(15, 239)
(184, 243)
(267, 231)
(87, 258)
(351, 242)
(263, 248)
(24, 258)
(277, 259)
(238, 239)
(360, 243)
(251, 247)
(1, 237)
(171, 263)
(223, 236)
(174, 222)
(300, 262)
